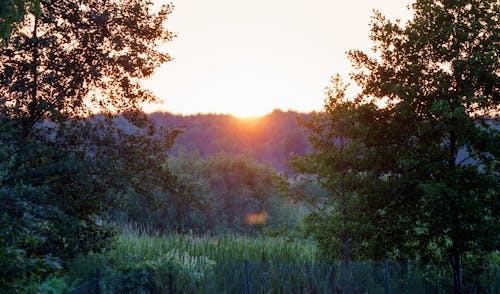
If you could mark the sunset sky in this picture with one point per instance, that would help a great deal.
(247, 58)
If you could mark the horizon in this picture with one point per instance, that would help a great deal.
(166, 111)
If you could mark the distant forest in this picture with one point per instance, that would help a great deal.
(270, 138)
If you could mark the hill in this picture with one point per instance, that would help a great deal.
(271, 138)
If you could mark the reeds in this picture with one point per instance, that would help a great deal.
(230, 263)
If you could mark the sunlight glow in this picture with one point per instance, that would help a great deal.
(247, 58)
(258, 218)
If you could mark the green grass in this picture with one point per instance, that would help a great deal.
(205, 263)
(235, 248)
(234, 263)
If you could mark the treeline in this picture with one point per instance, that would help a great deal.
(271, 138)
(229, 193)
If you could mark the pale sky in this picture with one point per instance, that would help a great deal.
(247, 58)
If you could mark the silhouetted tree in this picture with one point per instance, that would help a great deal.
(59, 169)
(70, 58)
(431, 152)
(440, 76)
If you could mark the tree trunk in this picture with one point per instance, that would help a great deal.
(456, 263)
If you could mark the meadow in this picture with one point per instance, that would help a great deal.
(392, 187)
(231, 263)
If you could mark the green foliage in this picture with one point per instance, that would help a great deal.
(211, 264)
(270, 138)
(338, 220)
(241, 184)
(231, 187)
(443, 166)
(184, 263)
(60, 171)
(52, 284)
(223, 191)
(11, 13)
(429, 157)
(222, 248)
(77, 58)
(156, 275)
(50, 211)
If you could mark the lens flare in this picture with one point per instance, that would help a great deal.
(258, 218)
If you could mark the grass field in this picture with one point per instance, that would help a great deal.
(234, 263)
(190, 260)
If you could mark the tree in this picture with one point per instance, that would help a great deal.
(431, 150)
(439, 74)
(63, 60)
(70, 59)
(238, 194)
(241, 186)
(11, 12)
(338, 221)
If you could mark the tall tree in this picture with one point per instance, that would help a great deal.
(60, 170)
(338, 222)
(432, 150)
(75, 57)
(439, 74)
(334, 168)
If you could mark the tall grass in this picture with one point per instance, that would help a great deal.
(204, 262)
(228, 247)
(232, 263)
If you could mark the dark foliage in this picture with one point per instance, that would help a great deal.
(226, 190)
(429, 158)
(271, 138)
(61, 173)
